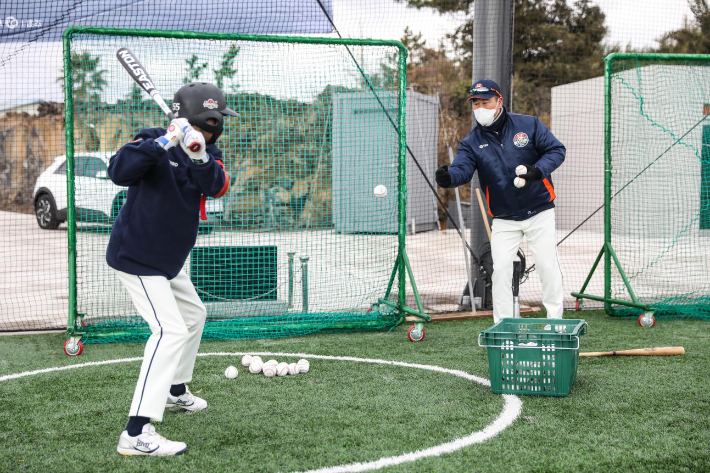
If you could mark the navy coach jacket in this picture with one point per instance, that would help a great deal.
(495, 151)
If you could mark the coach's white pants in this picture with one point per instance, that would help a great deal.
(176, 317)
(506, 236)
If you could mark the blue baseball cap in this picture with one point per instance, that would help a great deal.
(484, 89)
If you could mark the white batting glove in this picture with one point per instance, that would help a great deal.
(175, 133)
(193, 144)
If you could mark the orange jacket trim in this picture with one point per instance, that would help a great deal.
(550, 189)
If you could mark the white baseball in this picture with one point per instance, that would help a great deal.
(246, 360)
(380, 191)
(255, 366)
(231, 372)
(271, 362)
(269, 370)
(292, 368)
(303, 366)
(519, 182)
(520, 170)
(257, 358)
(282, 369)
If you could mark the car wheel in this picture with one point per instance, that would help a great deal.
(46, 212)
(117, 204)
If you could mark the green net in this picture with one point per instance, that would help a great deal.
(300, 243)
(658, 139)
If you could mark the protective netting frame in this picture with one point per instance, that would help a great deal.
(386, 312)
(629, 275)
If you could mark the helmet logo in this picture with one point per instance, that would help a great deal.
(210, 103)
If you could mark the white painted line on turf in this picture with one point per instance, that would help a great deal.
(511, 409)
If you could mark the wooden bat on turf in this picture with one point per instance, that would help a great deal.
(140, 75)
(655, 351)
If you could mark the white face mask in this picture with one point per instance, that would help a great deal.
(484, 116)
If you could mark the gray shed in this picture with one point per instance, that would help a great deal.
(365, 155)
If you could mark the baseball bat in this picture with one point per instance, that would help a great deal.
(140, 75)
(654, 351)
(483, 213)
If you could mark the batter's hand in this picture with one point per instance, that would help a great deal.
(176, 130)
(193, 144)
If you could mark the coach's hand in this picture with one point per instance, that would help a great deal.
(527, 172)
(176, 131)
(443, 178)
(193, 144)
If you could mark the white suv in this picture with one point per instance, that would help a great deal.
(96, 198)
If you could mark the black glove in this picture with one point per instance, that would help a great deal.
(443, 178)
(531, 173)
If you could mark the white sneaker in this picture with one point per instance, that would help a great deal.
(187, 401)
(148, 443)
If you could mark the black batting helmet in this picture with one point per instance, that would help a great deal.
(200, 101)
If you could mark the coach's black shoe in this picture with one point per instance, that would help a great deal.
(148, 443)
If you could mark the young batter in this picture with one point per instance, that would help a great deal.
(168, 174)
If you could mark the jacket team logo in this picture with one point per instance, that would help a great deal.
(520, 140)
(210, 103)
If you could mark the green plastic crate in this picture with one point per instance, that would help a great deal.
(537, 357)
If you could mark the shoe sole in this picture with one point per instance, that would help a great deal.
(184, 408)
(135, 453)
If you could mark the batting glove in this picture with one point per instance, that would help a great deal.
(176, 131)
(443, 178)
(193, 144)
(529, 173)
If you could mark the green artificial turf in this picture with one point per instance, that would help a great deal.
(624, 414)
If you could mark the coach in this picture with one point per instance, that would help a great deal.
(505, 146)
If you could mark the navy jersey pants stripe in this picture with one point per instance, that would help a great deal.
(176, 317)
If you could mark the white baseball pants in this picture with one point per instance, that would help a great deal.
(176, 317)
(506, 236)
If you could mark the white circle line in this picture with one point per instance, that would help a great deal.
(511, 409)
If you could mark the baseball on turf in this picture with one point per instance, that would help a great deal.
(519, 182)
(269, 370)
(246, 360)
(255, 366)
(282, 369)
(303, 366)
(380, 191)
(520, 170)
(271, 362)
(231, 372)
(292, 369)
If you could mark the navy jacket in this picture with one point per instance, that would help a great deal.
(157, 226)
(495, 151)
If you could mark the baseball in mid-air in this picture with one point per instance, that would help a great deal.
(231, 372)
(380, 191)
(519, 182)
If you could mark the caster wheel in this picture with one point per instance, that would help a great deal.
(73, 349)
(579, 305)
(415, 334)
(647, 320)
